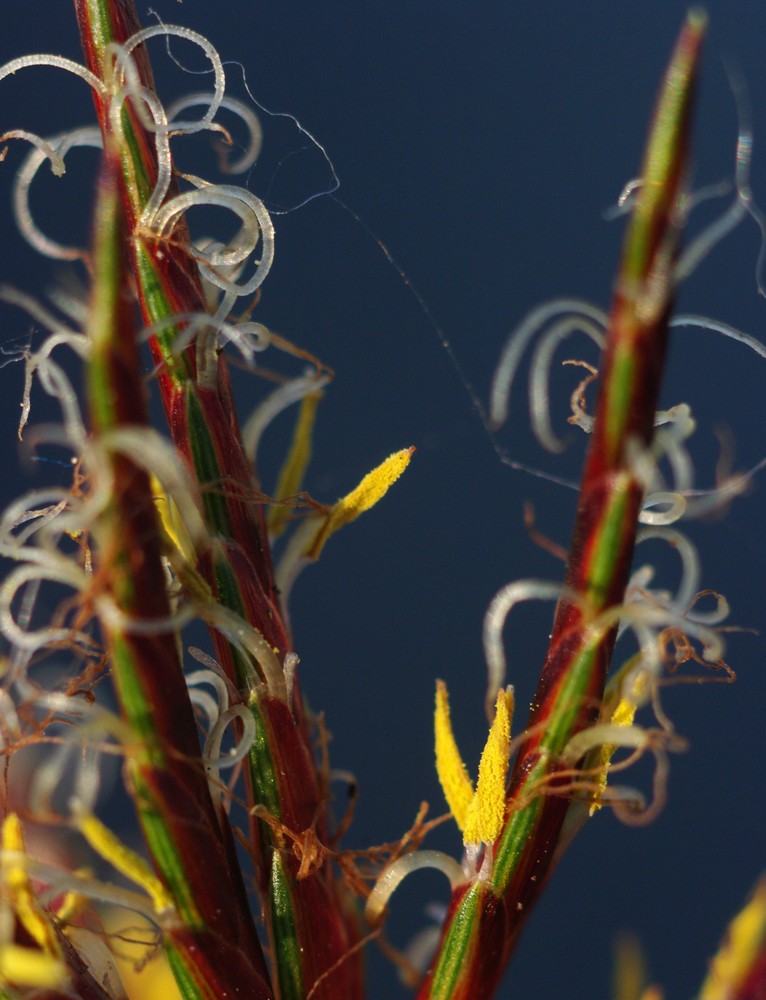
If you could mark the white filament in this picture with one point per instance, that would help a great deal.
(250, 641)
(214, 759)
(149, 450)
(286, 395)
(690, 564)
(540, 371)
(237, 107)
(605, 733)
(64, 572)
(42, 146)
(494, 621)
(519, 339)
(400, 869)
(61, 144)
(169, 30)
(57, 62)
(256, 225)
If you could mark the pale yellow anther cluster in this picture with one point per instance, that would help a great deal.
(42, 967)
(479, 814)
(372, 488)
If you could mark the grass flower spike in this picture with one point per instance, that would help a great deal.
(144, 612)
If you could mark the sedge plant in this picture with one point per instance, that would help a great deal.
(241, 886)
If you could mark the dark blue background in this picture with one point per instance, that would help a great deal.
(480, 142)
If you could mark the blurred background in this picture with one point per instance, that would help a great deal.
(480, 144)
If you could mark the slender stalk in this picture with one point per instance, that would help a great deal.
(486, 917)
(310, 921)
(210, 934)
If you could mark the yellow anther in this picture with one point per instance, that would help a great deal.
(484, 822)
(73, 902)
(622, 715)
(13, 835)
(292, 472)
(371, 489)
(453, 776)
(33, 917)
(171, 521)
(132, 865)
(630, 975)
(740, 949)
(479, 814)
(32, 968)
